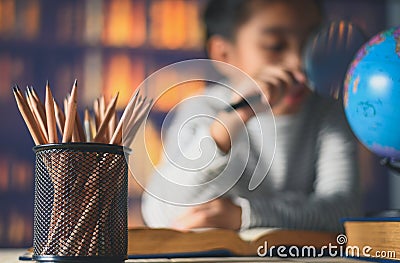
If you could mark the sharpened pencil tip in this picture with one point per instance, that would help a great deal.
(76, 82)
(15, 88)
(47, 83)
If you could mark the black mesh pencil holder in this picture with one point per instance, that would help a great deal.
(80, 212)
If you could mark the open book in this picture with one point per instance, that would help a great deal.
(156, 242)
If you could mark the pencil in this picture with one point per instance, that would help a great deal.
(96, 110)
(65, 102)
(28, 99)
(28, 117)
(71, 115)
(50, 115)
(117, 136)
(40, 106)
(102, 107)
(104, 123)
(112, 125)
(93, 129)
(135, 112)
(136, 122)
(42, 129)
(60, 118)
(37, 113)
(86, 125)
(79, 128)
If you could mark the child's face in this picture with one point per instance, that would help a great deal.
(274, 37)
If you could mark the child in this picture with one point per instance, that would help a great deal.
(313, 178)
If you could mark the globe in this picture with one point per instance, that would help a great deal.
(371, 94)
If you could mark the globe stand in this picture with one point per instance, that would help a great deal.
(393, 165)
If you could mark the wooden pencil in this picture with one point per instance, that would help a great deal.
(50, 116)
(60, 117)
(102, 107)
(87, 126)
(136, 110)
(92, 122)
(42, 130)
(136, 121)
(28, 99)
(79, 128)
(39, 103)
(100, 136)
(96, 110)
(117, 136)
(28, 117)
(111, 126)
(71, 115)
(37, 113)
(65, 104)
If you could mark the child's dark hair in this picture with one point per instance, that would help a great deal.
(223, 17)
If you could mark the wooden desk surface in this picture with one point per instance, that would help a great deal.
(11, 256)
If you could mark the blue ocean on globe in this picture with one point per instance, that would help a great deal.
(372, 94)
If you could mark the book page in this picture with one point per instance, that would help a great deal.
(256, 233)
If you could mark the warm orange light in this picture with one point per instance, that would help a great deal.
(125, 23)
(176, 93)
(175, 24)
(31, 16)
(123, 75)
(193, 27)
(4, 174)
(5, 76)
(7, 17)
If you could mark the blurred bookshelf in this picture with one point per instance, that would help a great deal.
(109, 46)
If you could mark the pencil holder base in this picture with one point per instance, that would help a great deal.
(79, 259)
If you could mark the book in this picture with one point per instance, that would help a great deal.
(159, 242)
(375, 238)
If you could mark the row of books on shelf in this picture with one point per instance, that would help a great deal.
(16, 227)
(16, 176)
(97, 73)
(164, 24)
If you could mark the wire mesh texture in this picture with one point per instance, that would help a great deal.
(81, 206)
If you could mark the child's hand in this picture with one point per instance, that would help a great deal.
(275, 83)
(220, 213)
